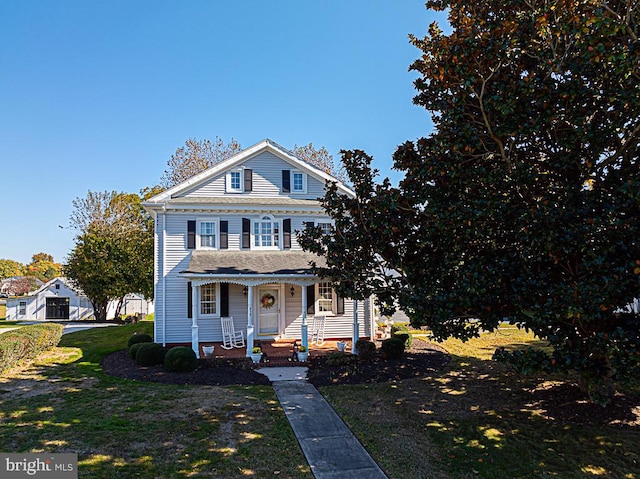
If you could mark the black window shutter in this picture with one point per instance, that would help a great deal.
(224, 299)
(191, 234)
(189, 300)
(339, 305)
(248, 179)
(286, 181)
(286, 226)
(311, 299)
(309, 224)
(246, 233)
(224, 235)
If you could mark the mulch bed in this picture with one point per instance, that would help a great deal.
(421, 359)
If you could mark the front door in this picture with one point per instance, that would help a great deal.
(268, 310)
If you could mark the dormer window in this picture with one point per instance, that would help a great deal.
(266, 233)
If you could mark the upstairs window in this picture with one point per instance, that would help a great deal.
(234, 181)
(298, 182)
(266, 233)
(207, 232)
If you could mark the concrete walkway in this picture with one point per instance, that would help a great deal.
(331, 449)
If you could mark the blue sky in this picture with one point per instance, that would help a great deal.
(97, 95)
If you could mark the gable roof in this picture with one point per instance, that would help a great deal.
(244, 155)
(65, 281)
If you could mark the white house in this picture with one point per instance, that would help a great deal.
(226, 246)
(55, 300)
(132, 303)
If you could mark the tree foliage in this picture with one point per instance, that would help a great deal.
(196, 156)
(43, 267)
(321, 159)
(113, 255)
(9, 267)
(524, 202)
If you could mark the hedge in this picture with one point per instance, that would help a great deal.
(27, 342)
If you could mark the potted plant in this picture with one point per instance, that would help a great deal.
(303, 354)
(207, 351)
(341, 346)
(256, 355)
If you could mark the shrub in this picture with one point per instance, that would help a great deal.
(392, 348)
(133, 350)
(399, 327)
(338, 358)
(27, 343)
(139, 338)
(180, 359)
(366, 350)
(405, 336)
(150, 354)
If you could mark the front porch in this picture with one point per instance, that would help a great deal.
(278, 352)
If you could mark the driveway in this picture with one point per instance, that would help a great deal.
(68, 327)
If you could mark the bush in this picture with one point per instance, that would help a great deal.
(366, 350)
(392, 348)
(399, 327)
(180, 359)
(133, 350)
(338, 358)
(406, 337)
(27, 343)
(150, 354)
(139, 338)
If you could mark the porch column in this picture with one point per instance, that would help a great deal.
(194, 321)
(250, 330)
(304, 330)
(356, 328)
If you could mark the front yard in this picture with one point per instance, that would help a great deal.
(471, 419)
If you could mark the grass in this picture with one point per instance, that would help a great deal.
(475, 419)
(121, 429)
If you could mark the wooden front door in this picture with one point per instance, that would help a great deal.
(268, 310)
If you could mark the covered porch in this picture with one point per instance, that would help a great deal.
(268, 295)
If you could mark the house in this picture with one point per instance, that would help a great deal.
(54, 300)
(226, 246)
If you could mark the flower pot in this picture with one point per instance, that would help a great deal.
(256, 357)
(341, 346)
(207, 351)
(303, 356)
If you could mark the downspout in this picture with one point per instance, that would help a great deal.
(164, 275)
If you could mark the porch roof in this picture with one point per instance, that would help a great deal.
(229, 263)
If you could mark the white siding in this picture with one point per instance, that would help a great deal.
(267, 180)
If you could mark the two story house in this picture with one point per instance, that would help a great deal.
(225, 246)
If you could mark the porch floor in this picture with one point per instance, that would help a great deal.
(279, 352)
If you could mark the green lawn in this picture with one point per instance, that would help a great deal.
(122, 429)
(476, 419)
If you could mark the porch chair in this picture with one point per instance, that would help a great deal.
(317, 330)
(230, 337)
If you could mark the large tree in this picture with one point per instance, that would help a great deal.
(9, 267)
(321, 159)
(113, 255)
(196, 156)
(524, 202)
(43, 267)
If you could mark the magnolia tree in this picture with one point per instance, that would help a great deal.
(524, 203)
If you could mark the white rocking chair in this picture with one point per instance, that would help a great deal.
(317, 330)
(230, 337)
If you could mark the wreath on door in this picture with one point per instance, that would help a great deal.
(267, 301)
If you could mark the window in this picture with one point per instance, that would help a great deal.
(325, 227)
(57, 286)
(325, 298)
(207, 233)
(266, 233)
(208, 299)
(298, 182)
(22, 308)
(234, 181)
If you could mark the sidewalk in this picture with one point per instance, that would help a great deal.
(331, 449)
